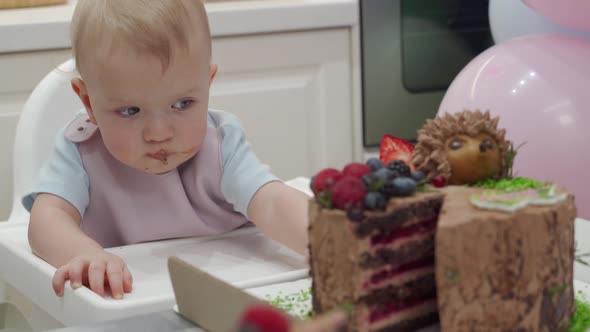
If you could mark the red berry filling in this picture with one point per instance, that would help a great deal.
(391, 308)
(390, 273)
(423, 227)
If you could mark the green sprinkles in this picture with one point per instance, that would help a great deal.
(581, 319)
(453, 275)
(297, 304)
(509, 185)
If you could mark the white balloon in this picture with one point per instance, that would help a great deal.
(512, 18)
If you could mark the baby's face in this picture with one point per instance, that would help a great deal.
(150, 119)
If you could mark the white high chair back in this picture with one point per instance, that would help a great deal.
(49, 108)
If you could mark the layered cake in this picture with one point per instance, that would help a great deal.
(443, 233)
(383, 265)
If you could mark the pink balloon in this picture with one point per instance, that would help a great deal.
(570, 13)
(540, 87)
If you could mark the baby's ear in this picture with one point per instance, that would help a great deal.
(212, 72)
(80, 89)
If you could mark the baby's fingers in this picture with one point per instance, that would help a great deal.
(76, 273)
(59, 279)
(96, 272)
(127, 280)
(115, 278)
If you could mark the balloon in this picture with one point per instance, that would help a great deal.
(510, 19)
(571, 13)
(538, 85)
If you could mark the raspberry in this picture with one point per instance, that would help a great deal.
(264, 318)
(356, 170)
(348, 191)
(439, 181)
(325, 179)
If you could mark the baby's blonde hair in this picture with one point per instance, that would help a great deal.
(153, 26)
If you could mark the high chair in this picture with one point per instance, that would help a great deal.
(243, 257)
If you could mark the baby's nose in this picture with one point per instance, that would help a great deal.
(157, 130)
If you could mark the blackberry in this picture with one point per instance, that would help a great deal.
(400, 168)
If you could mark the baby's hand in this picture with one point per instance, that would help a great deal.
(95, 271)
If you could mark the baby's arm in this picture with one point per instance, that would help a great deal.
(281, 212)
(56, 237)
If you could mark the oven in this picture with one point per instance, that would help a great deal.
(411, 50)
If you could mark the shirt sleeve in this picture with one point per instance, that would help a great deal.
(63, 175)
(243, 173)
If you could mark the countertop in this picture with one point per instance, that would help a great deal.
(42, 28)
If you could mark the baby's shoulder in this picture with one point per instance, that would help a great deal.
(222, 120)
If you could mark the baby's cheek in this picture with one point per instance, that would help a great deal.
(123, 150)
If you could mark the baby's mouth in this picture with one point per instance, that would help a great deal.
(161, 155)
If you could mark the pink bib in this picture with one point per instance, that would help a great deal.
(129, 206)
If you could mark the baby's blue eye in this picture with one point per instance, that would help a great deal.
(182, 104)
(129, 111)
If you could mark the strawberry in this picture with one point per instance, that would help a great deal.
(348, 191)
(325, 179)
(263, 318)
(356, 170)
(393, 148)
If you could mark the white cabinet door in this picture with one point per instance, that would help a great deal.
(292, 93)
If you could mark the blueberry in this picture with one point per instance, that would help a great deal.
(387, 189)
(375, 200)
(404, 186)
(418, 176)
(374, 164)
(383, 174)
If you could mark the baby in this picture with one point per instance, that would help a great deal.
(147, 159)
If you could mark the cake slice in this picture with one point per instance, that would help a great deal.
(381, 263)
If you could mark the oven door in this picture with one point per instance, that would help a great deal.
(411, 51)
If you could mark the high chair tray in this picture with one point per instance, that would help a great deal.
(244, 258)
